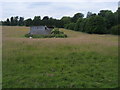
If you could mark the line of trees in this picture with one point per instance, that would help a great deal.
(104, 22)
(36, 21)
(14, 21)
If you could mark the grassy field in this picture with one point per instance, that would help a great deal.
(79, 61)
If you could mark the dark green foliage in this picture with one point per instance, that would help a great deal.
(59, 35)
(12, 21)
(47, 36)
(95, 24)
(115, 30)
(56, 31)
(28, 22)
(1, 23)
(80, 25)
(77, 16)
(45, 21)
(36, 21)
(15, 21)
(109, 17)
(8, 21)
(70, 26)
(45, 18)
(89, 14)
(58, 23)
(99, 24)
(21, 21)
(66, 20)
(28, 35)
(117, 16)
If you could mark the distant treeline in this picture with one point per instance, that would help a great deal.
(105, 22)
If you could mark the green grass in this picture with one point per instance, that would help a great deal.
(79, 61)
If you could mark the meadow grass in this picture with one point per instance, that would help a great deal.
(79, 61)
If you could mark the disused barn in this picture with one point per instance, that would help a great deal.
(43, 30)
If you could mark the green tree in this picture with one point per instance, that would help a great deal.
(8, 22)
(80, 24)
(45, 18)
(58, 23)
(109, 17)
(11, 21)
(95, 24)
(118, 16)
(28, 22)
(21, 21)
(66, 20)
(70, 26)
(77, 16)
(89, 14)
(115, 30)
(36, 21)
(16, 20)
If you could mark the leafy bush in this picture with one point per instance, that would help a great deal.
(28, 35)
(47, 36)
(56, 31)
(115, 30)
(58, 34)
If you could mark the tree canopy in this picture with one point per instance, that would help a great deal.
(105, 21)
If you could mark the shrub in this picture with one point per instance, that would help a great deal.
(39, 36)
(47, 36)
(28, 35)
(58, 34)
(56, 31)
(115, 30)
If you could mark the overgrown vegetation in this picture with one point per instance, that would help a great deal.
(55, 33)
(101, 23)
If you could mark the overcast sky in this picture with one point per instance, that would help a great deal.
(54, 9)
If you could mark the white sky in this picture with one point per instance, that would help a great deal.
(53, 8)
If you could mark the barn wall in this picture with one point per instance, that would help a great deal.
(39, 30)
